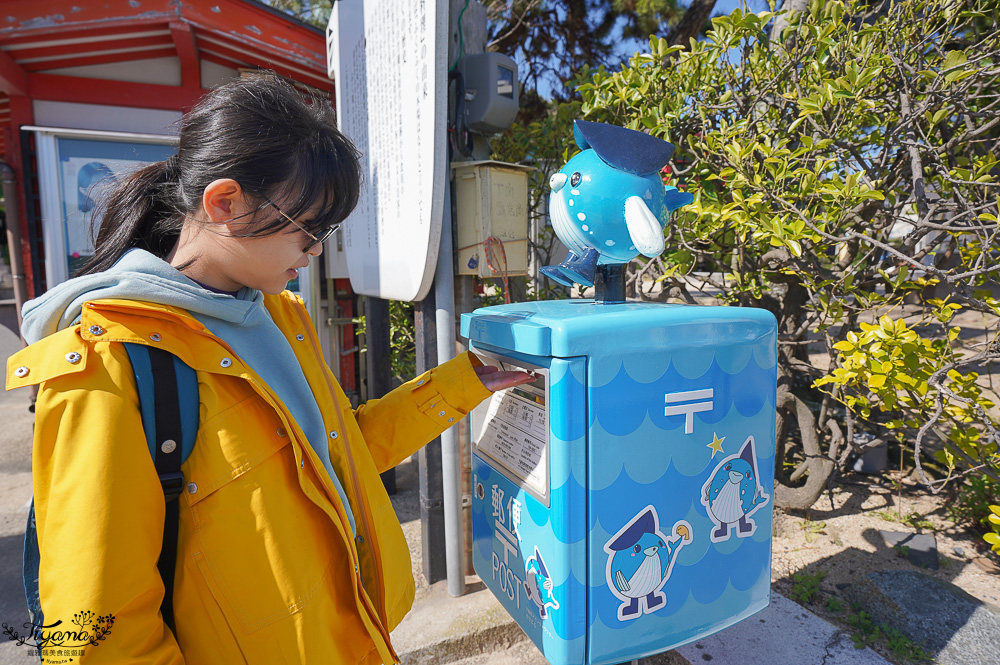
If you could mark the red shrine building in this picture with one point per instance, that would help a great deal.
(89, 90)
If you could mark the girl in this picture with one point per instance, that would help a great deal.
(288, 550)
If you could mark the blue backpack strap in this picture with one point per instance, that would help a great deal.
(187, 396)
(168, 397)
(168, 402)
(29, 573)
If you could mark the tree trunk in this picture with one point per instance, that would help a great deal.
(782, 22)
(691, 23)
(820, 466)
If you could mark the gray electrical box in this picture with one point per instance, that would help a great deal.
(491, 91)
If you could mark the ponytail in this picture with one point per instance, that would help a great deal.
(137, 213)
(258, 131)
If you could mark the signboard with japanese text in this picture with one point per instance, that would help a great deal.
(389, 64)
(514, 433)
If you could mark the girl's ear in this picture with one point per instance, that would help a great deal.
(223, 200)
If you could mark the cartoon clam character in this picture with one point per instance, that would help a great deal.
(640, 562)
(608, 203)
(538, 585)
(733, 493)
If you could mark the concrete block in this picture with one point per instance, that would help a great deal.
(934, 613)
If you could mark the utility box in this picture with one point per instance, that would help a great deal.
(490, 98)
(622, 501)
(491, 226)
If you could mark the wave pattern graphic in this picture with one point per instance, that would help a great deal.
(613, 452)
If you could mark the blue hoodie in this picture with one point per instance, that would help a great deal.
(242, 322)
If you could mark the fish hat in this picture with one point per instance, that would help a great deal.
(746, 453)
(623, 149)
(645, 524)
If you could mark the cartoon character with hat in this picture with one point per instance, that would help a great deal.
(608, 203)
(538, 585)
(640, 562)
(733, 494)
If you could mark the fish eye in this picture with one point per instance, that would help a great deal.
(575, 179)
(637, 548)
(729, 467)
(661, 544)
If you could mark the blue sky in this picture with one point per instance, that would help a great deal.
(628, 47)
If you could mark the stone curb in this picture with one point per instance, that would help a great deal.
(476, 628)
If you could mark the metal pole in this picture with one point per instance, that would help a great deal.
(377, 360)
(429, 457)
(451, 462)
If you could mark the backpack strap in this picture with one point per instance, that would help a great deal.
(168, 401)
(169, 404)
(29, 574)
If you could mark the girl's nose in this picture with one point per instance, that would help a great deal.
(556, 181)
(315, 250)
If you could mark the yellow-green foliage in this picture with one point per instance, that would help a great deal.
(993, 538)
(837, 169)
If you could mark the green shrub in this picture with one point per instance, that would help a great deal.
(845, 178)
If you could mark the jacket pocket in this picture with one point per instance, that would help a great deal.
(265, 549)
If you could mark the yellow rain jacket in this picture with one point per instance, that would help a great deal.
(267, 568)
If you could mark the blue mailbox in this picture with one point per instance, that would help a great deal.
(622, 502)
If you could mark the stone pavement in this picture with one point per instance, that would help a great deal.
(440, 629)
(476, 629)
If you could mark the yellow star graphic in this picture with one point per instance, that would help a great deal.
(716, 444)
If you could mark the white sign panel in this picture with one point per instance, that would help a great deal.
(389, 64)
(514, 433)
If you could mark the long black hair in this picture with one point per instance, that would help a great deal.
(260, 132)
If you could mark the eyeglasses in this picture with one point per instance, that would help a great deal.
(314, 240)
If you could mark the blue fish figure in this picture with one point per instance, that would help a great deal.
(608, 203)
(640, 562)
(538, 584)
(733, 493)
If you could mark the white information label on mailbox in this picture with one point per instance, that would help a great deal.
(514, 435)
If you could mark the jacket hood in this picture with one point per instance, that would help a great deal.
(138, 275)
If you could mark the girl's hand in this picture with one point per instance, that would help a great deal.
(496, 380)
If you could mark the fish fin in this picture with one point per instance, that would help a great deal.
(620, 581)
(643, 227)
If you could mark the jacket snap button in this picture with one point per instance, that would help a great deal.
(451, 420)
(226, 362)
(192, 488)
(302, 464)
(168, 446)
(360, 539)
(21, 371)
(73, 357)
(155, 337)
(300, 337)
(420, 382)
(96, 330)
(355, 568)
(441, 414)
(281, 432)
(333, 435)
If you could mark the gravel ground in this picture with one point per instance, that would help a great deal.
(840, 537)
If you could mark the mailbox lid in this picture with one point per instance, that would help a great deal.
(569, 328)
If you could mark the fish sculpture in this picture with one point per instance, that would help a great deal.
(608, 203)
